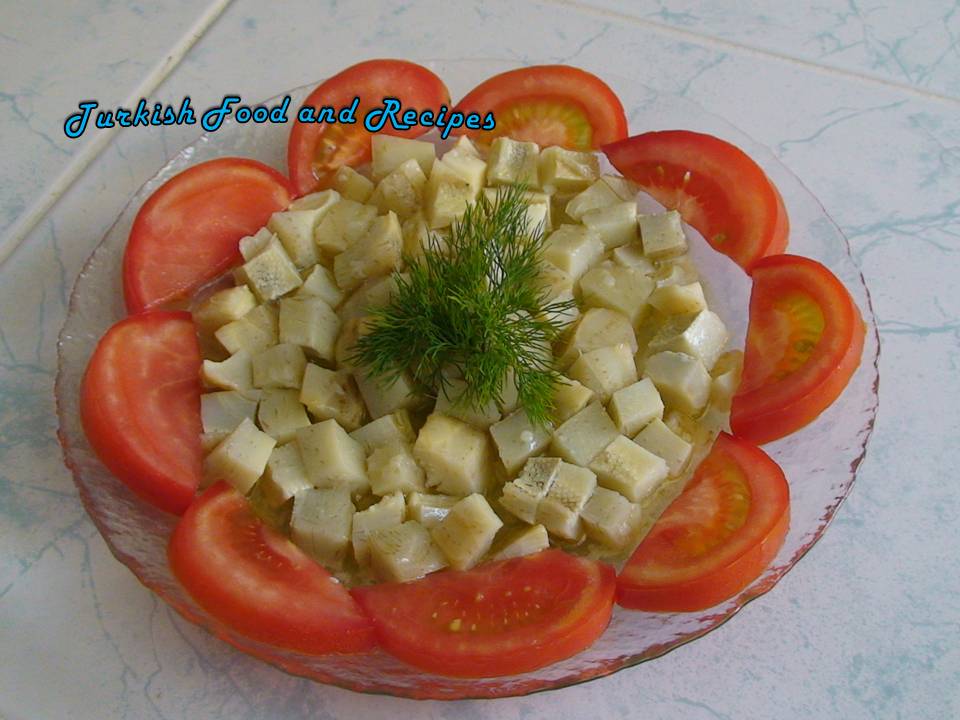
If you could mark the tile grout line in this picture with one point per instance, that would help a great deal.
(586, 7)
(31, 217)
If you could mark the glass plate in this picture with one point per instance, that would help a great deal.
(821, 460)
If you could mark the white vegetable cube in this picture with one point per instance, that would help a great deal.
(560, 510)
(344, 224)
(605, 370)
(599, 327)
(584, 435)
(726, 374)
(386, 513)
(598, 195)
(270, 273)
(702, 335)
(392, 468)
(332, 395)
(253, 245)
(391, 152)
(538, 218)
(465, 166)
(352, 185)
(618, 288)
(234, 373)
(675, 271)
(679, 299)
(310, 323)
(320, 524)
(682, 380)
(520, 541)
(255, 331)
(429, 510)
(280, 414)
(631, 470)
(573, 249)
(662, 235)
(285, 475)
(383, 398)
(223, 411)
(632, 407)
(517, 439)
(625, 189)
(401, 191)
(280, 366)
(332, 458)
(395, 427)
(609, 518)
(454, 183)
(404, 552)
(463, 146)
(224, 306)
(569, 398)
(296, 227)
(555, 281)
(374, 293)
(615, 225)
(376, 253)
(513, 162)
(418, 237)
(450, 402)
(455, 455)
(240, 459)
(663, 442)
(631, 255)
(567, 170)
(466, 533)
(523, 495)
(320, 283)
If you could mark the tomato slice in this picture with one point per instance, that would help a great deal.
(714, 185)
(257, 582)
(549, 105)
(316, 151)
(187, 232)
(716, 538)
(804, 342)
(502, 618)
(140, 406)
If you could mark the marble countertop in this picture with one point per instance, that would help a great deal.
(860, 99)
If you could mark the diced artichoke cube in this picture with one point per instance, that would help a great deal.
(352, 185)
(598, 327)
(253, 245)
(456, 456)
(310, 323)
(401, 191)
(352, 330)
(285, 475)
(223, 307)
(523, 495)
(676, 271)
(376, 253)
(567, 170)
(625, 189)
(330, 394)
(615, 225)
(386, 513)
(223, 411)
(320, 524)
(343, 225)
(374, 293)
(573, 249)
(234, 373)
(280, 414)
(404, 552)
(569, 398)
(631, 470)
(520, 541)
(632, 407)
(466, 533)
(240, 459)
(726, 374)
(255, 331)
(679, 299)
(270, 273)
(454, 183)
(560, 510)
(555, 281)
(320, 283)
(517, 439)
(584, 436)
(663, 442)
(332, 458)
(450, 402)
(395, 427)
(598, 195)
(384, 398)
(391, 152)
(631, 255)
(702, 335)
(682, 380)
(618, 288)
(512, 162)
(605, 370)
(662, 235)
(418, 238)
(280, 366)
(296, 227)
(609, 518)
(429, 510)
(392, 468)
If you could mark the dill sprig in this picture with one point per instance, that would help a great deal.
(475, 310)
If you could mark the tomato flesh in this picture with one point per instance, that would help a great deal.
(502, 618)
(140, 406)
(316, 151)
(804, 342)
(716, 538)
(187, 232)
(257, 582)
(548, 105)
(714, 185)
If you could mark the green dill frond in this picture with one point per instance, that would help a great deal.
(476, 311)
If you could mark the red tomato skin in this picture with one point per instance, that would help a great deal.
(594, 97)
(308, 592)
(414, 85)
(760, 419)
(729, 578)
(394, 606)
(753, 219)
(109, 420)
(245, 210)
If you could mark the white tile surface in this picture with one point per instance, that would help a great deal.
(864, 627)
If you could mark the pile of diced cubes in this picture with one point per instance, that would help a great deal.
(388, 484)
